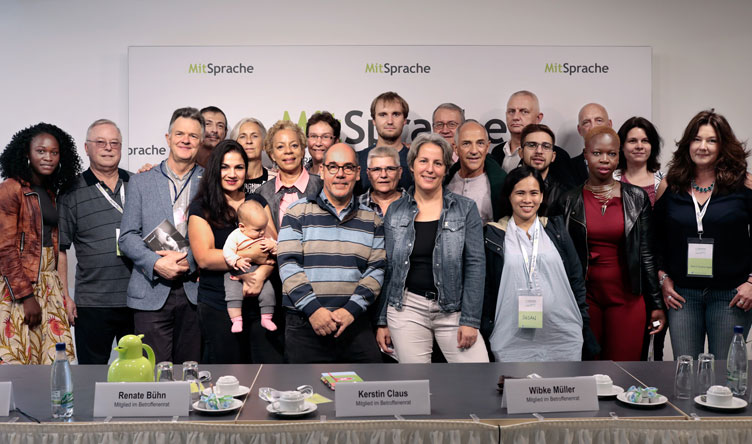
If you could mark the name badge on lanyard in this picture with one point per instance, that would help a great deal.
(116, 206)
(530, 298)
(699, 249)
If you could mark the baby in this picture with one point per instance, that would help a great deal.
(252, 221)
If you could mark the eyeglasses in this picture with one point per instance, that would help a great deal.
(103, 143)
(534, 146)
(452, 125)
(333, 168)
(322, 137)
(380, 170)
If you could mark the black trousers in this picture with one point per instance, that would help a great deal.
(356, 344)
(254, 345)
(172, 331)
(96, 328)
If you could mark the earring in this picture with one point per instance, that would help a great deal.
(28, 162)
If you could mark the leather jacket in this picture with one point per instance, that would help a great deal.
(21, 239)
(643, 274)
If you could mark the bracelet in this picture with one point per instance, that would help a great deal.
(663, 279)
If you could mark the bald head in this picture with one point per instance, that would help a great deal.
(341, 149)
(591, 116)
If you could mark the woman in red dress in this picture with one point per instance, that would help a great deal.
(609, 222)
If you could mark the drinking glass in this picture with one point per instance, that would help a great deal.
(164, 371)
(190, 371)
(684, 377)
(705, 372)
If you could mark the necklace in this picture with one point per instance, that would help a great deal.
(603, 193)
(702, 189)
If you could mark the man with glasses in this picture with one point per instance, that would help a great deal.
(476, 175)
(89, 219)
(322, 130)
(389, 113)
(331, 261)
(523, 109)
(384, 173)
(447, 117)
(538, 142)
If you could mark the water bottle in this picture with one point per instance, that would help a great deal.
(736, 364)
(61, 384)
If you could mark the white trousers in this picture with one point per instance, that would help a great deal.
(414, 327)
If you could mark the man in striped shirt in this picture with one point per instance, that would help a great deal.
(331, 261)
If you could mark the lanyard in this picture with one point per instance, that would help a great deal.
(531, 262)
(110, 200)
(172, 182)
(700, 214)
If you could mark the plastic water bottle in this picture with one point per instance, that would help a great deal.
(61, 384)
(736, 364)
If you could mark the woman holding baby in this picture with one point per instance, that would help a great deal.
(213, 217)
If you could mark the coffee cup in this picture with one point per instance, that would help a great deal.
(289, 401)
(604, 385)
(719, 395)
(227, 385)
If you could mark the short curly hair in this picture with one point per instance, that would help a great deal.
(279, 126)
(14, 161)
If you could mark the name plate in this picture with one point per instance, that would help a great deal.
(383, 398)
(141, 398)
(6, 398)
(550, 395)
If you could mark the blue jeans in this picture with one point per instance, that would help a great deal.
(705, 312)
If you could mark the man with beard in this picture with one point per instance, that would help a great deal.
(215, 130)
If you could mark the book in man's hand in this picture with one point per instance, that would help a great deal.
(166, 237)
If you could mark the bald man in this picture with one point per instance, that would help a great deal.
(523, 109)
(590, 116)
(331, 261)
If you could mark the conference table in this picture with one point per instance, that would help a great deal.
(465, 407)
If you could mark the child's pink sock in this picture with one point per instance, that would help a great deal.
(266, 322)
(237, 324)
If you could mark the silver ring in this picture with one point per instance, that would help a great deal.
(740, 303)
(670, 297)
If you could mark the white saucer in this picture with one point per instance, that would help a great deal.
(615, 390)
(623, 398)
(736, 403)
(309, 407)
(234, 405)
(242, 391)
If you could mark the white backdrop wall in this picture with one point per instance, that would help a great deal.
(66, 61)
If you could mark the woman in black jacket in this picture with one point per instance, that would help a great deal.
(610, 225)
(554, 281)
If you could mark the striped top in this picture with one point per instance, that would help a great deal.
(89, 223)
(330, 260)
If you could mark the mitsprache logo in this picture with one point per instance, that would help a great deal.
(393, 68)
(572, 68)
(217, 69)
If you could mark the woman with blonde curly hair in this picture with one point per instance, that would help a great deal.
(40, 163)
(285, 144)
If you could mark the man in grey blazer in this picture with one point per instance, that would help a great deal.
(163, 286)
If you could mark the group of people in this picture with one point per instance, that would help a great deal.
(443, 248)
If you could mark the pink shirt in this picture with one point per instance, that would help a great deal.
(300, 185)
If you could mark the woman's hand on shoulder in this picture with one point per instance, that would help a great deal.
(748, 180)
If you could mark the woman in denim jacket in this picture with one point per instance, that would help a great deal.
(433, 286)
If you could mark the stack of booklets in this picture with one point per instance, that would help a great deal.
(331, 379)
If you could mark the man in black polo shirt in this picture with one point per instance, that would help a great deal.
(90, 216)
